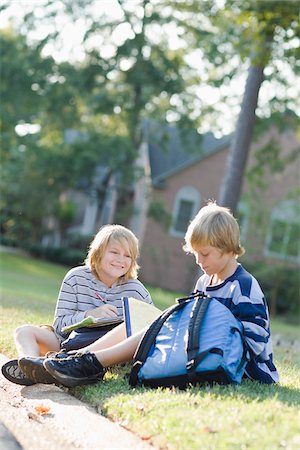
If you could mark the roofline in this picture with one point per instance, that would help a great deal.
(171, 172)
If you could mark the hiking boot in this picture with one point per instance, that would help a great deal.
(12, 372)
(76, 370)
(34, 370)
(62, 354)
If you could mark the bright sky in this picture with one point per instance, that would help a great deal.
(71, 49)
(71, 32)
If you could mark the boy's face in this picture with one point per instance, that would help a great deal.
(212, 260)
(115, 262)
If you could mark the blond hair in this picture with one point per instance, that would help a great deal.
(124, 237)
(215, 226)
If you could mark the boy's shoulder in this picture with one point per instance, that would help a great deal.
(247, 282)
(132, 284)
(135, 288)
(134, 281)
(82, 271)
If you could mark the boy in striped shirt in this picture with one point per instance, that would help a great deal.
(214, 239)
(94, 289)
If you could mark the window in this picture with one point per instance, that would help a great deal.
(283, 239)
(185, 211)
(186, 206)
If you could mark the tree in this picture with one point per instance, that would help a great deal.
(229, 35)
(141, 77)
(270, 20)
(36, 164)
(21, 105)
(138, 80)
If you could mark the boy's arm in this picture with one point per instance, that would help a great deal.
(66, 312)
(254, 316)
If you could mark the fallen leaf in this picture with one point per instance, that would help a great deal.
(42, 409)
(146, 437)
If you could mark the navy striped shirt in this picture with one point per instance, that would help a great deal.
(80, 292)
(242, 294)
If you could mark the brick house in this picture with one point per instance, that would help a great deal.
(180, 173)
(182, 181)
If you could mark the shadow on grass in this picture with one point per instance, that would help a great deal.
(254, 391)
(115, 383)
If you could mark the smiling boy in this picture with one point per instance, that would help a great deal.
(93, 289)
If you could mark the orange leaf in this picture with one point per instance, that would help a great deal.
(41, 409)
(146, 437)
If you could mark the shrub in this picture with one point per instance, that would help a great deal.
(281, 286)
(61, 255)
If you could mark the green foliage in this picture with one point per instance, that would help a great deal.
(281, 286)
(268, 159)
(239, 28)
(65, 211)
(236, 34)
(158, 212)
(60, 255)
(78, 241)
(33, 165)
(103, 101)
(20, 77)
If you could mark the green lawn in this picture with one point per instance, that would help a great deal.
(249, 416)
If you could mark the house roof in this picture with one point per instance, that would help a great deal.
(171, 150)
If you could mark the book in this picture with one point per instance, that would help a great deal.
(138, 314)
(92, 322)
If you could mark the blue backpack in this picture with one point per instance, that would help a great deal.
(195, 341)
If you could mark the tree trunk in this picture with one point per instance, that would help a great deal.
(238, 153)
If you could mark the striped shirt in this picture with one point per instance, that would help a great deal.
(81, 291)
(242, 294)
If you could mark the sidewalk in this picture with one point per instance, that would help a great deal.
(68, 423)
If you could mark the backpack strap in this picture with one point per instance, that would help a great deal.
(149, 339)
(198, 313)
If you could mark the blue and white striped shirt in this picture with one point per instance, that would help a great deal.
(242, 294)
(80, 291)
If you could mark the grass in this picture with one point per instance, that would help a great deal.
(250, 416)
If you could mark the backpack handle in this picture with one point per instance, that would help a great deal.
(197, 294)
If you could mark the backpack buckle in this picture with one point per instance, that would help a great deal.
(190, 364)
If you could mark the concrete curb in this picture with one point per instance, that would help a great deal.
(68, 423)
(7, 439)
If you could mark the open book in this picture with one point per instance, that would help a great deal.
(92, 322)
(138, 314)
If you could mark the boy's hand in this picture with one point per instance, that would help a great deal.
(103, 311)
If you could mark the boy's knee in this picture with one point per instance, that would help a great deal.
(23, 330)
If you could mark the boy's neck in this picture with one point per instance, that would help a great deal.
(218, 278)
(108, 281)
